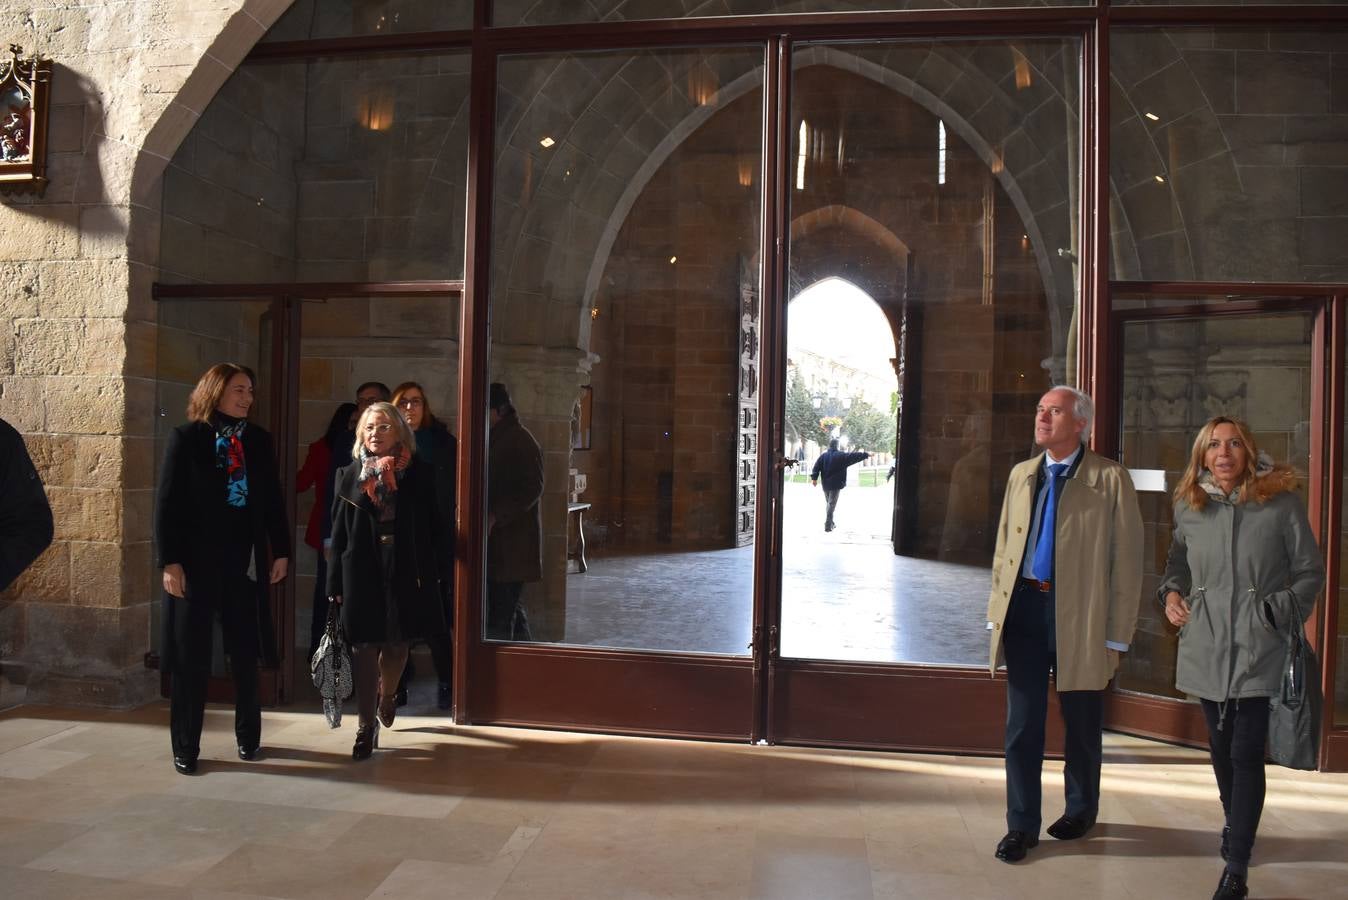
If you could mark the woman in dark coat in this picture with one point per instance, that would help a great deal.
(389, 558)
(316, 473)
(1243, 570)
(219, 512)
(438, 447)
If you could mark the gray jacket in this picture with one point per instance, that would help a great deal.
(1246, 570)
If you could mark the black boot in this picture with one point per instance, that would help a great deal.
(1231, 887)
(367, 738)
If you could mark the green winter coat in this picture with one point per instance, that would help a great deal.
(1246, 571)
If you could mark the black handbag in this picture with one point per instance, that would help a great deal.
(1294, 713)
(331, 668)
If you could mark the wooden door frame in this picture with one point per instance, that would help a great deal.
(1180, 721)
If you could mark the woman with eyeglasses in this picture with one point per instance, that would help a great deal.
(389, 553)
(438, 447)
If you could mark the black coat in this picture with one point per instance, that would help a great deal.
(832, 466)
(423, 557)
(514, 495)
(25, 516)
(190, 517)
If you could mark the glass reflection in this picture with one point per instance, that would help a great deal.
(933, 299)
(624, 330)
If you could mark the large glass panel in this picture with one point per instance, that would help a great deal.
(350, 169)
(308, 19)
(1340, 698)
(624, 278)
(933, 298)
(1226, 155)
(1177, 374)
(192, 336)
(548, 12)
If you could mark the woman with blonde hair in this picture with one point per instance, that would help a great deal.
(218, 513)
(389, 555)
(1243, 567)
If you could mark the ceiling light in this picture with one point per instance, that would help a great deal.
(1160, 179)
(547, 142)
(1152, 116)
(673, 260)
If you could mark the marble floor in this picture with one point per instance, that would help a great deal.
(845, 595)
(90, 807)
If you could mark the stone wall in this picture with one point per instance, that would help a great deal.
(77, 325)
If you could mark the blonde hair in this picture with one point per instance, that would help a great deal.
(1253, 487)
(390, 412)
(427, 417)
(211, 387)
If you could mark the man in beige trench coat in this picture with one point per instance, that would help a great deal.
(1066, 580)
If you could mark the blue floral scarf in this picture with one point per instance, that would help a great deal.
(229, 457)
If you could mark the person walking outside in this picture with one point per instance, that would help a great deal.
(831, 466)
(1243, 569)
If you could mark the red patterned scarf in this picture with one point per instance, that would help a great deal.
(379, 475)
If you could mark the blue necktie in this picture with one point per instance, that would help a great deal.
(1042, 567)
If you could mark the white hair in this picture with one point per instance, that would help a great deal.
(1083, 407)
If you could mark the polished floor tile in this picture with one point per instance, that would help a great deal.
(92, 808)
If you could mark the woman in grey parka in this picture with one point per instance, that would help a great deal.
(1243, 566)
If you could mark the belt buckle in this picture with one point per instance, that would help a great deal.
(1042, 586)
(385, 538)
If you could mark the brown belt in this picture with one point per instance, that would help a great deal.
(1042, 587)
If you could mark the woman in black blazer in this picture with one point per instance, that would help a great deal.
(218, 512)
(390, 555)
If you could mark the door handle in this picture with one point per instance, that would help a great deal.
(784, 461)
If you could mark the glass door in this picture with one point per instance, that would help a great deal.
(931, 297)
(1182, 362)
(622, 466)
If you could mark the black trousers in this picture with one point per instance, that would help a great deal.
(191, 633)
(1028, 638)
(506, 619)
(1237, 732)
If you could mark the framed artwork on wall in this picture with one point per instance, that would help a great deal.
(24, 93)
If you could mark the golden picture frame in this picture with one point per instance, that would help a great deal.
(24, 101)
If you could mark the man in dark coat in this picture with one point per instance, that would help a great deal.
(25, 516)
(514, 518)
(832, 467)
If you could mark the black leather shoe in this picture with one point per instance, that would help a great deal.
(186, 765)
(400, 698)
(1069, 829)
(367, 738)
(1225, 848)
(444, 696)
(1231, 887)
(249, 755)
(1012, 847)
